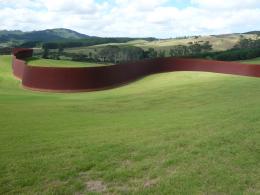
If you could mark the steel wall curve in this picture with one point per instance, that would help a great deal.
(97, 78)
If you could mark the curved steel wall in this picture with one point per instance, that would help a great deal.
(96, 78)
(18, 64)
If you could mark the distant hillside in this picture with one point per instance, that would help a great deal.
(253, 32)
(18, 38)
(41, 36)
(81, 43)
(218, 42)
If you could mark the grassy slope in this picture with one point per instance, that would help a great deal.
(183, 132)
(60, 63)
(253, 61)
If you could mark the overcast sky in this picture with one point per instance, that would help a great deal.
(133, 18)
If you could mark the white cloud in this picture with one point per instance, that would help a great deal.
(141, 5)
(137, 18)
(227, 4)
(68, 6)
(20, 4)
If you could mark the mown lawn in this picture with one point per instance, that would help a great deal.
(60, 63)
(253, 61)
(172, 133)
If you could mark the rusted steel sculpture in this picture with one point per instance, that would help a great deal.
(97, 78)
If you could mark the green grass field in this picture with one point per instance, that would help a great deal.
(253, 61)
(171, 133)
(60, 63)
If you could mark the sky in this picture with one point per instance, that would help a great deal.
(133, 18)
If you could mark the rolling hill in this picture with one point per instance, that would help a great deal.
(218, 42)
(43, 35)
(18, 38)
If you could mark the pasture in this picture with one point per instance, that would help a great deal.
(170, 133)
(60, 63)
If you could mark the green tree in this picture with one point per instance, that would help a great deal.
(151, 53)
(110, 53)
(45, 51)
(131, 53)
(60, 49)
(161, 54)
(90, 54)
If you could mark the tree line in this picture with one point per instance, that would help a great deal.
(118, 54)
(5, 50)
(243, 50)
(191, 49)
(90, 41)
